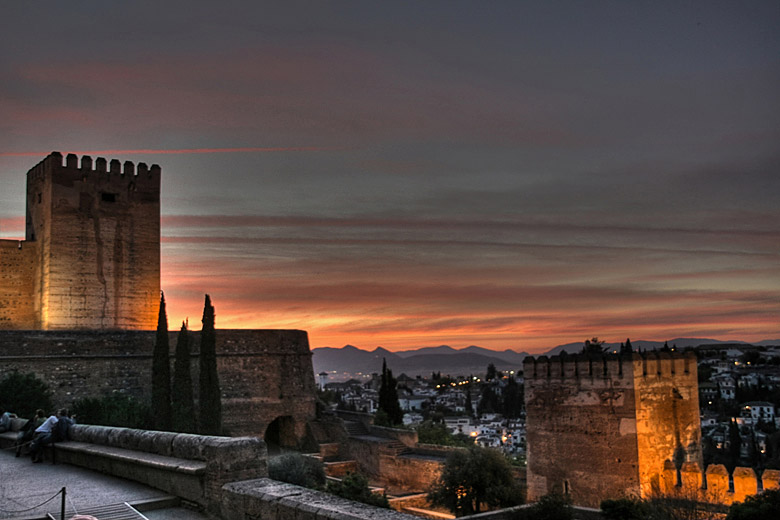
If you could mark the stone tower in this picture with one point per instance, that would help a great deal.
(91, 258)
(602, 427)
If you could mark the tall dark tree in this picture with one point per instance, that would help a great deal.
(182, 402)
(513, 398)
(469, 406)
(161, 372)
(210, 394)
(735, 445)
(491, 372)
(388, 396)
(627, 348)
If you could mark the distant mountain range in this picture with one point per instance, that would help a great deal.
(470, 360)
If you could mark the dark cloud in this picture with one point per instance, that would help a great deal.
(504, 174)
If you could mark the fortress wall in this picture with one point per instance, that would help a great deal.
(264, 374)
(99, 234)
(17, 264)
(667, 414)
(715, 485)
(581, 427)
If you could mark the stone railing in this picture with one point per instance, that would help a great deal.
(715, 485)
(266, 498)
(192, 467)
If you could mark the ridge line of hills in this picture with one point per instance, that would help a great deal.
(469, 360)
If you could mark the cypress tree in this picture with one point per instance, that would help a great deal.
(161, 372)
(210, 394)
(182, 399)
(388, 396)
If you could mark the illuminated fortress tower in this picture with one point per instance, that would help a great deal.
(91, 258)
(604, 427)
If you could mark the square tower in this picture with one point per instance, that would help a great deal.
(97, 232)
(603, 426)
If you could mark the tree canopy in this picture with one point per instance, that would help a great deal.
(475, 478)
(593, 346)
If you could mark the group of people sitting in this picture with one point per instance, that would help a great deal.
(40, 431)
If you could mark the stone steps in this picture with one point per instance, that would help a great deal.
(355, 428)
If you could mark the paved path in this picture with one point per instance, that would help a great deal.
(24, 485)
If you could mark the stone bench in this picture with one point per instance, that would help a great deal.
(192, 467)
(8, 439)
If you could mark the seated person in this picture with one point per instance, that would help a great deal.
(5, 420)
(62, 429)
(44, 435)
(27, 431)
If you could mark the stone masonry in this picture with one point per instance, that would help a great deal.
(264, 375)
(91, 254)
(602, 427)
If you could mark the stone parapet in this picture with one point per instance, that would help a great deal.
(194, 467)
(715, 485)
(266, 498)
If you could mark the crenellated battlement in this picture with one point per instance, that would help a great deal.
(101, 171)
(715, 485)
(577, 366)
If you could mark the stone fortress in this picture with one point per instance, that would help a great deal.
(79, 300)
(91, 254)
(78, 306)
(613, 426)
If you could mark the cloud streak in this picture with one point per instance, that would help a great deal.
(183, 151)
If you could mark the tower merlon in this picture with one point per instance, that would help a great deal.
(575, 366)
(101, 171)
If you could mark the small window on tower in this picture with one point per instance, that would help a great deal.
(108, 197)
(39, 198)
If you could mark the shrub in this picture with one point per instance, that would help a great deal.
(549, 507)
(354, 486)
(437, 433)
(756, 507)
(297, 469)
(23, 394)
(625, 509)
(115, 409)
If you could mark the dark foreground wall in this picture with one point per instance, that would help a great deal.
(265, 375)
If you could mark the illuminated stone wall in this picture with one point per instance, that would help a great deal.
(91, 254)
(713, 485)
(667, 414)
(602, 427)
(17, 265)
(581, 428)
(264, 374)
(98, 235)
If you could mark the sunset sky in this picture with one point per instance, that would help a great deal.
(405, 174)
